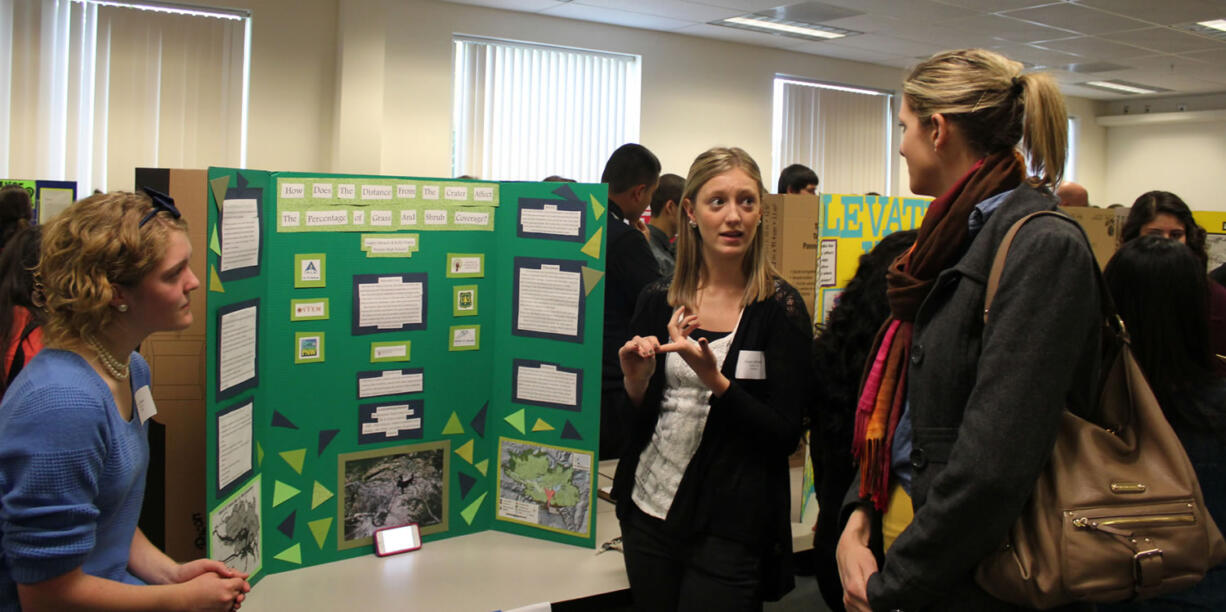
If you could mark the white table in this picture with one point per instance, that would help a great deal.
(485, 571)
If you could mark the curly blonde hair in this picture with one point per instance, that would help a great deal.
(89, 248)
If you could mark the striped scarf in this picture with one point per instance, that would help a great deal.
(941, 241)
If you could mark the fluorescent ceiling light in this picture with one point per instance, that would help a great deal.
(784, 27)
(1216, 24)
(1132, 89)
(174, 9)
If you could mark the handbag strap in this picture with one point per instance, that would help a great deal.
(1110, 317)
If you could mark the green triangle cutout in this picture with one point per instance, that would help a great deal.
(220, 184)
(282, 492)
(466, 451)
(453, 426)
(516, 419)
(320, 495)
(541, 425)
(592, 248)
(470, 512)
(320, 530)
(259, 455)
(293, 554)
(482, 466)
(590, 278)
(294, 458)
(597, 207)
(215, 281)
(214, 243)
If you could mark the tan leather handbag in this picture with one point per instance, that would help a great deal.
(1117, 513)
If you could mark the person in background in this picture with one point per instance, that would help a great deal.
(21, 318)
(74, 422)
(702, 489)
(1160, 291)
(1162, 213)
(16, 211)
(553, 178)
(1072, 194)
(839, 353)
(798, 178)
(946, 393)
(632, 174)
(664, 220)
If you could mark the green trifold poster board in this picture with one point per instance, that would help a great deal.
(388, 350)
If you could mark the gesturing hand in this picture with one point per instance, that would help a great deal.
(698, 355)
(638, 361)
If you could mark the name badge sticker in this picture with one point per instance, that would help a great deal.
(751, 365)
(144, 403)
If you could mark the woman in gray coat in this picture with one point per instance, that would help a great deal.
(957, 418)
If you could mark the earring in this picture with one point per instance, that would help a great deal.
(122, 308)
(693, 223)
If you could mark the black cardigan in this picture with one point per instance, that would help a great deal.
(737, 485)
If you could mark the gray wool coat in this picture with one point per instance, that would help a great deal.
(985, 401)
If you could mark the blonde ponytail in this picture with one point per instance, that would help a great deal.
(995, 105)
(1044, 128)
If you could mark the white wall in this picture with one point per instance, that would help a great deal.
(365, 86)
(697, 93)
(1184, 158)
(1090, 164)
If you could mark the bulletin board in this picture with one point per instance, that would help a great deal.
(49, 198)
(386, 350)
(851, 225)
(1214, 223)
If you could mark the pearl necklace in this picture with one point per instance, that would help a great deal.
(119, 370)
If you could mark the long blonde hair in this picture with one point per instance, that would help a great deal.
(95, 244)
(995, 105)
(690, 271)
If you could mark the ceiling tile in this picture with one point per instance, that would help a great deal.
(1180, 66)
(1094, 48)
(888, 45)
(615, 17)
(992, 6)
(1031, 54)
(1174, 82)
(1164, 12)
(867, 23)
(684, 11)
(748, 37)
(946, 37)
(914, 11)
(1078, 18)
(843, 52)
(511, 5)
(1165, 40)
(1007, 28)
(1216, 56)
(745, 6)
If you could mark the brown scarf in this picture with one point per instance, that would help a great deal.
(942, 238)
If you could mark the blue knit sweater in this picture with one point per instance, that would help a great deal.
(72, 474)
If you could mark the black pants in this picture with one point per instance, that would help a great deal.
(708, 573)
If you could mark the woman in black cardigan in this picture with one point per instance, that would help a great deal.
(702, 487)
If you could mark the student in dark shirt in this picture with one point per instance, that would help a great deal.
(664, 220)
(798, 178)
(715, 386)
(1160, 291)
(632, 174)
